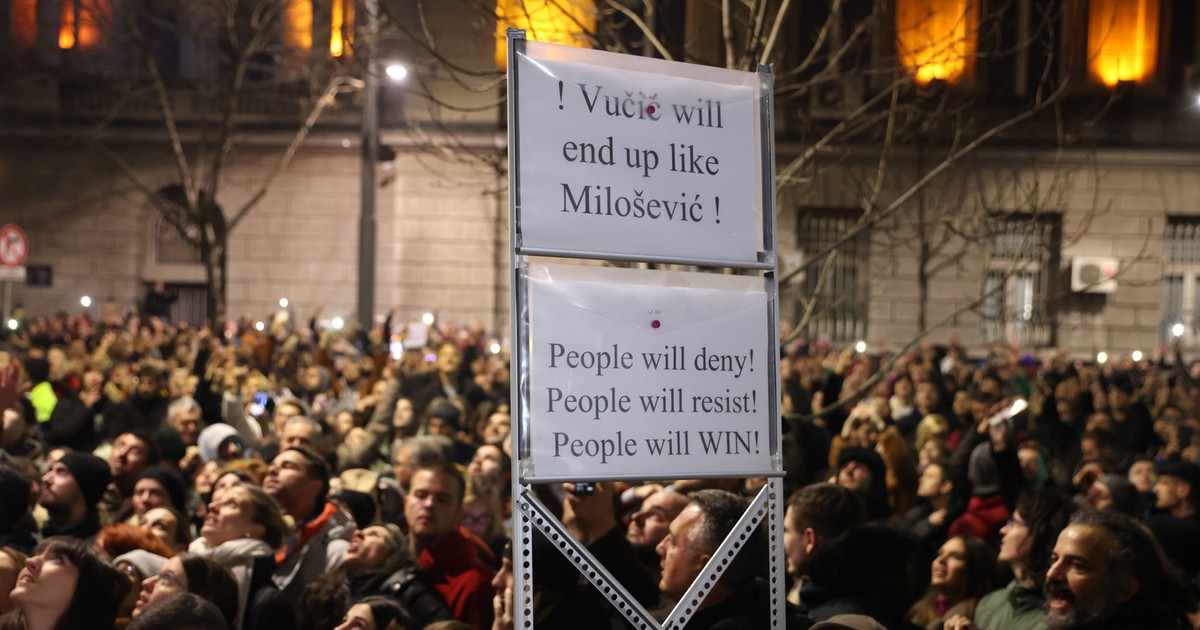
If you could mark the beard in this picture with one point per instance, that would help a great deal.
(1082, 611)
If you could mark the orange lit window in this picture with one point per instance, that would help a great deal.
(1122, 40)
(936, 39)
(569, 22)
(297, 26)
(66, 24)
(341, 28)
(91, 18)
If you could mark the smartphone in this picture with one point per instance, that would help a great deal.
(258, 406)
(584, 488)
(1009, 412)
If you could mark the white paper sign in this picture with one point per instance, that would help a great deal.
(635, 373)
(628, 155)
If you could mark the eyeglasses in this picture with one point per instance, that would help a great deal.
(482, 519)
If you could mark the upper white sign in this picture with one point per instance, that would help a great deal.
(621, 155)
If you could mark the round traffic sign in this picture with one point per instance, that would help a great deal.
(13, 246)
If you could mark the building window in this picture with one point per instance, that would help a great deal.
(1019, 283)
(170, 247)
(297, 26)
(836, 287)
(1181, 280)
(566, 22)
(341, 28)
(1122, 40)
(936, 39)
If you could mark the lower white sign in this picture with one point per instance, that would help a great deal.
(635, 373)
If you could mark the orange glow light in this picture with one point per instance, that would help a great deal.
(66, 25)
(567, 22)
(93, 16)
(936, 39)
(1122, 40)
(297, 29)
(336, 44)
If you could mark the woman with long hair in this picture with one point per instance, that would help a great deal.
(64, 586)
(963, 571)
(188, 573)
(377, 562)
(242, 529)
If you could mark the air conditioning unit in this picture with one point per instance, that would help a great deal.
(835, 100)
(1094, 275)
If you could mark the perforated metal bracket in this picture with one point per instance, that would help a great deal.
(733, 543)
(539, 515)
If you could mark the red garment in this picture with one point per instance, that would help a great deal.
(984, 518)
(456, 570)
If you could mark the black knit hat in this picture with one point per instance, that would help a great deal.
(91, 474)
(172, 481)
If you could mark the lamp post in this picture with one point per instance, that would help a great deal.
(370, 156)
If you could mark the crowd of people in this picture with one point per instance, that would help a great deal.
(281, 475)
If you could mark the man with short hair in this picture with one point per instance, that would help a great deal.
(417, 452)
(1177, 525)
(299, 479)
(452, 559)
(1107, 572)
(133, 452)
(184, 416)
(816, 514)
(650, 524)
(739, 598)
(70, 491)
(302, 431)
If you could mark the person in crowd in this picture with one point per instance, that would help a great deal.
(243, 527)
(16, 495)
(70, 492)
(133, 452)
(196, 574)
(455, 563)
(180, 611)
(413, 453)
(170, 526)
(1112, 492)
(1176, 526)
(121, 538)
(868, 570)
(219, 443)
(375, 613)
(815, 514)
(650, 524)
(1107, 571)
(299, 480)
(377, 563)
(64, 585)
(158, 486)
(482, 514)
(1028, 540)
(185, 420)
(136, 566)
(863, 472)
(739, 598)
(963, 572)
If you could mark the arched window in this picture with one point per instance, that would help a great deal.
(169, 245)
(1122, 40)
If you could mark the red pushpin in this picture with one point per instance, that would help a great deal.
(655, 324)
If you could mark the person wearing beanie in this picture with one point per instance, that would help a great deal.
(70, 492)
(159, 486)
(986, 510)
(862, 471)
(136, 566)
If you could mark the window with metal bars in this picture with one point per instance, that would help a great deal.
(1181, 280)
(1019, 282)
(836, 286)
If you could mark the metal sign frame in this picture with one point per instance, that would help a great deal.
(530, 514)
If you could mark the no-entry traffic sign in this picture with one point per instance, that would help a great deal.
(13, 246)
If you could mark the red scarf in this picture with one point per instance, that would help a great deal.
(307, 531)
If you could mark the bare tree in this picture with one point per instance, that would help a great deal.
(251, 60)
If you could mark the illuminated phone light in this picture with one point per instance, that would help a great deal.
(13, 324)
(1136, 355)
(1178, 329)
(495, 347)
(860, 347)
(85, 301)
(337, 323)
(283, 302)
(1101, 357)
(427, 319)
(259, 326)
